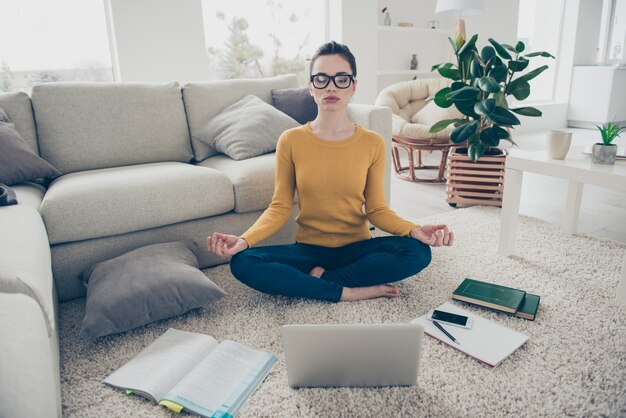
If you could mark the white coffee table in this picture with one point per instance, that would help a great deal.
(578, 169)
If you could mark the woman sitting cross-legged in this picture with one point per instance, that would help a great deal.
(336, 167)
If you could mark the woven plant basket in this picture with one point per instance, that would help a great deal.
(479, 183)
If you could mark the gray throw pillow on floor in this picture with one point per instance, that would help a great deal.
(297, 103)
(142, 286)
(18, 162)
(245, 129)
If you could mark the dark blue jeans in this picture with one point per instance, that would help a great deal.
(284, 269)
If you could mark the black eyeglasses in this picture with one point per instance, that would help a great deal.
(341, 81)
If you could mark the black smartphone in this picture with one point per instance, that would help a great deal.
(450, 318)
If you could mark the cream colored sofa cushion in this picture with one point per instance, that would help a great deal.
(253, 179)
(88, 126)
(112, 201)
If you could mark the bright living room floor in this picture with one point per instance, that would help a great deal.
(602, 212)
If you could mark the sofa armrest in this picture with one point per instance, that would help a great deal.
(25, 261)
(376, 118)
(29, 360)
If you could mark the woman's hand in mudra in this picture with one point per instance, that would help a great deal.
(433, 235)
(224, 245)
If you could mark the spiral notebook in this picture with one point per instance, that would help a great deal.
(487, 341)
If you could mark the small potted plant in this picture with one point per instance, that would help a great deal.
(604, 152)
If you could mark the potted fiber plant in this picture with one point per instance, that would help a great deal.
(482, 85)
(604, 152)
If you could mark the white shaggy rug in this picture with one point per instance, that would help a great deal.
(574, 363)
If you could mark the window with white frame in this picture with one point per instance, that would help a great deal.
(62, 40)
(612, 39)
(262, 38)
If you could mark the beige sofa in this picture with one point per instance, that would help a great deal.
(133, 175)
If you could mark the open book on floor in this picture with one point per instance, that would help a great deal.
(497, 297)
(187, 370)
(487, 341)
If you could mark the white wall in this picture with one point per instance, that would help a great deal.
(499, 21)
(157, 41)
(353, 22)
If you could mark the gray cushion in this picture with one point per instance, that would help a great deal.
(18, 162)
(112, 201)
(204, 101)
(245, 129)
(86, 126)
(20, 110)
(297, 103)
(142, 286)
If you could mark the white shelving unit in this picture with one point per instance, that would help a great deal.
(396, 44)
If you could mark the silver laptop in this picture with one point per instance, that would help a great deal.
(352, 355)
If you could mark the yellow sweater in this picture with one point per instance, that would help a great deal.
(333, 180)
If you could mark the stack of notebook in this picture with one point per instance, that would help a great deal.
(500, 298)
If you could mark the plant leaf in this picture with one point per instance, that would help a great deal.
(538, 53)
(463, 132)
(519, 65)
(469, 46)
(501, 100)
(519, 46)
(441, 98)
(534, 73)
(465, 93)
(502, 116)
(489, 137)
(527, 111)
(498, 72)
(501, 132)
(442, 124)
(459, 42)
(450, 73)
(519, 88)
(487, 53)
(485, 107)
(475, 151)
(509, 47)
(500, 49)
(467, 108)
(489, 84)
(454, 47)
(441, 65)
(476, 70)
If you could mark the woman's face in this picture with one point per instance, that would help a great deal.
(331, 97)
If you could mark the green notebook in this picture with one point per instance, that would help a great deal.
(489, 295)
(529, 306)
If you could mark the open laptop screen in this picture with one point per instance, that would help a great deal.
(352, 355)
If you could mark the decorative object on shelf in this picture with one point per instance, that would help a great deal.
(405, 24)
(604, 152)
(387, 21)
(558, 143)
(460, 8)
(480, 85)
(475, 183)
(433, 24)
(414, 62)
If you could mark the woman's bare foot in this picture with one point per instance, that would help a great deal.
(317, 272)
(369, 292)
